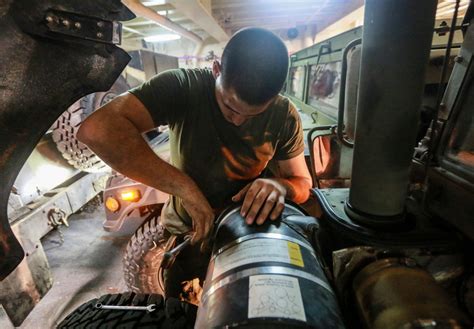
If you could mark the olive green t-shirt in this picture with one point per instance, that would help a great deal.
(220, 157)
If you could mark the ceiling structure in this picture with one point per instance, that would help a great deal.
(216, 20)
(446, 8)
(232, 15)
(280, 14)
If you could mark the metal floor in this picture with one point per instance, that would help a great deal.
(87, 265)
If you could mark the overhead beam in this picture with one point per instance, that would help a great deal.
(143, 21)
(156, 29)
(274, 3)
(196, 11)
(126, 28)
(140, 10)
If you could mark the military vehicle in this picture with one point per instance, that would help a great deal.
(387, 239)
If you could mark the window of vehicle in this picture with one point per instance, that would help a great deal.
(324, 84)
(296, 82)
(461, 143)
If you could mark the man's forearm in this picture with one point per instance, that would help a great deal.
(297, 188)
(114, 134)
(122, 147)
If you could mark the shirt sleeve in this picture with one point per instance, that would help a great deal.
(291, 141)
(165, 96)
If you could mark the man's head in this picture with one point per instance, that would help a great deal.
(252, 72)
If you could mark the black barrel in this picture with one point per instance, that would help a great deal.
(266, 276)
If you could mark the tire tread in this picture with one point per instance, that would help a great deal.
(171, 313)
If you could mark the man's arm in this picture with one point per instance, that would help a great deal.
(266, 196)
(114, 133)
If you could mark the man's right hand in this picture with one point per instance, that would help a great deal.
(201, 214)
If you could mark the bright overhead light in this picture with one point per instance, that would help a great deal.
(154, 3)
(162, 37)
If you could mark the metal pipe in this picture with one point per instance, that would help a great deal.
(396, 293)
(142, 11)
(395, 51)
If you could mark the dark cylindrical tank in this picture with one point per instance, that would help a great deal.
(266, 276)
(395, 50)
(394, 293)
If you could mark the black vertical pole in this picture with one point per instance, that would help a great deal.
(395, 51)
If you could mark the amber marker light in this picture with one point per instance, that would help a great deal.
(131, 195)
(112, 204)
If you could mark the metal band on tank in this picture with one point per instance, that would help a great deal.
(265, 270)
(227, 216)
(276, 236)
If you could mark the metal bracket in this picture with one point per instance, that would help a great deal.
(83, 27)
(57, 217)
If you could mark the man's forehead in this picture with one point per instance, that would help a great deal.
(231, 95)
(237, 104)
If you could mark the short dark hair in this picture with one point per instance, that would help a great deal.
(255, 64)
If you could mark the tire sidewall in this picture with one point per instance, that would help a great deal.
(143, 257)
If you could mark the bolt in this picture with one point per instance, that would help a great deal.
(77, 25)
(99, 35)
(49, 19)
(100, 24)
(66, 23)
(458, 59)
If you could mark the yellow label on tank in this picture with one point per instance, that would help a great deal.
(294, 252)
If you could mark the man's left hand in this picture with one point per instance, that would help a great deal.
(263, 197)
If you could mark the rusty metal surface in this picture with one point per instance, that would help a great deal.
(394, 293)
(40, 75)
(27, 284)
(446, 266)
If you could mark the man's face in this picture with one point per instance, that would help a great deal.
(234, 110)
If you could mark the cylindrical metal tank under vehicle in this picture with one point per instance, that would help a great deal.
(268, 275)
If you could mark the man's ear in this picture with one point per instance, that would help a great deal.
(216, 69)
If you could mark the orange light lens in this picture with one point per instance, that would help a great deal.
(112, 204)
(131, 195)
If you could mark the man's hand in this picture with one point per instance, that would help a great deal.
(265, 197)
(201, 213)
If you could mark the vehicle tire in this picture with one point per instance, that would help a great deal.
(169, 313)
(66, 126)
(143, 256)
